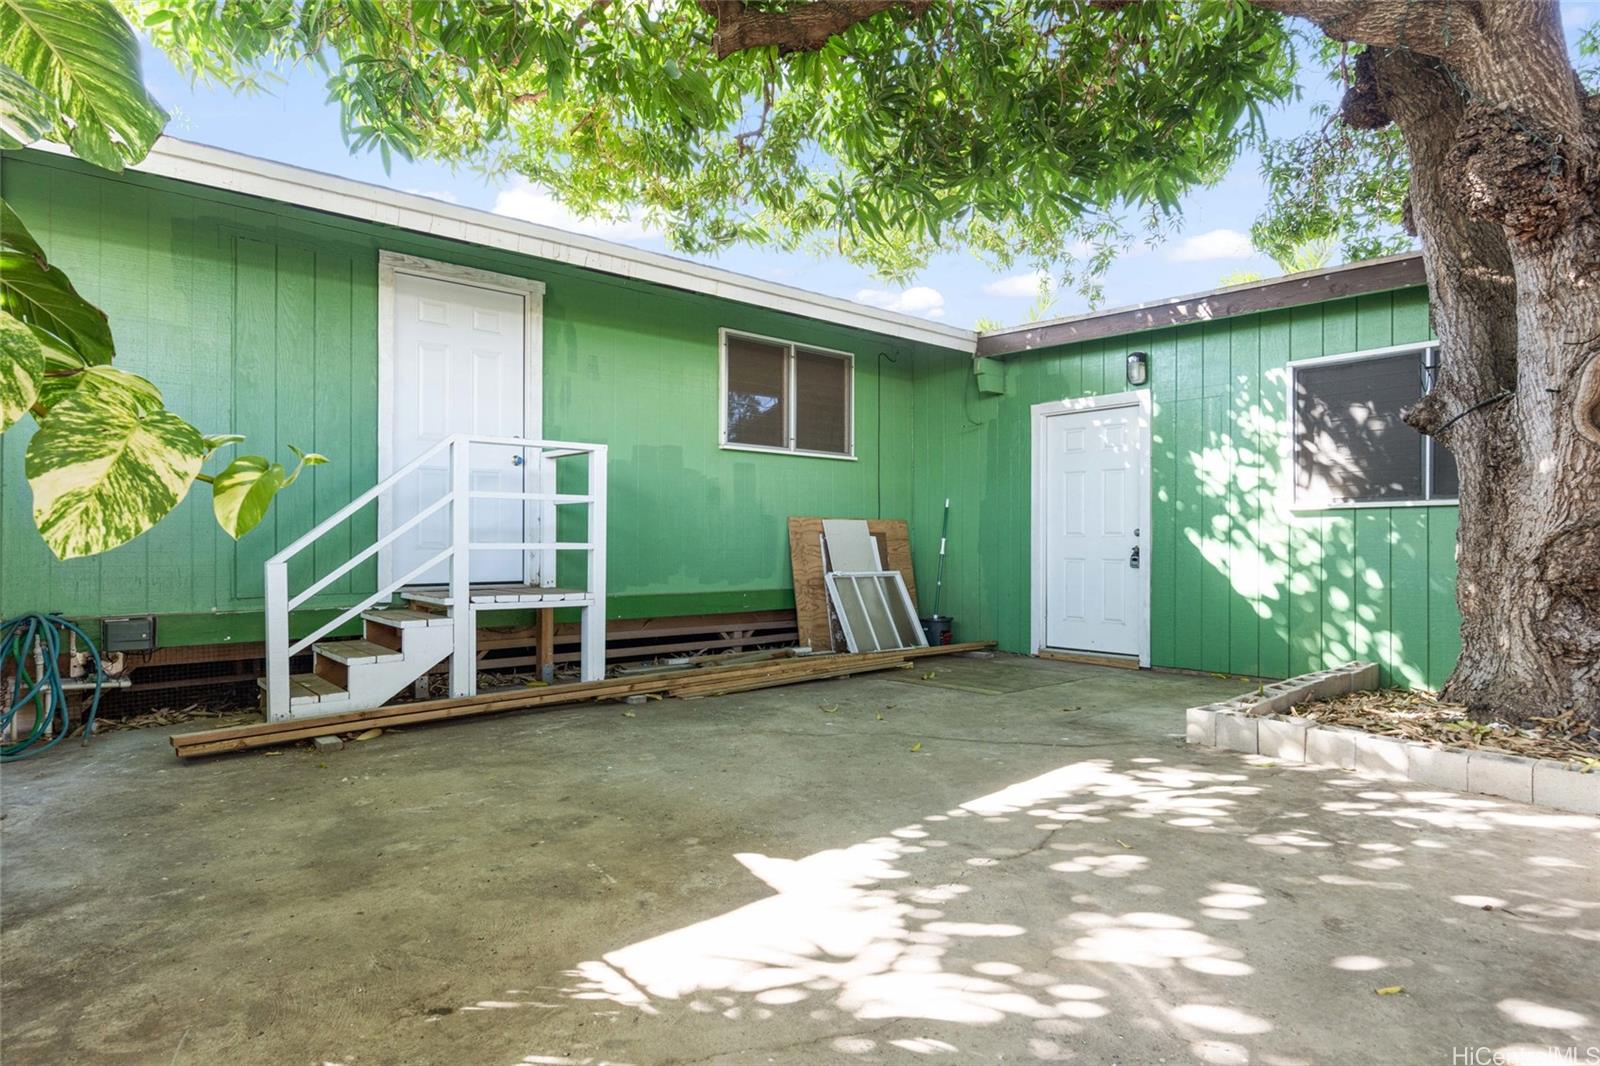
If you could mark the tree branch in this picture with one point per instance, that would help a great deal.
(805, 28)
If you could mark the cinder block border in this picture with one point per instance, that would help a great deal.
(1257, 723)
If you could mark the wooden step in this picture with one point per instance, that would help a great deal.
(350, 652)
(500, 596)
(309, 688)
(405, 618)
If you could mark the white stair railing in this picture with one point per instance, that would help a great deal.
(458, 498)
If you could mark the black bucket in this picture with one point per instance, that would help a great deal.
(938, 629)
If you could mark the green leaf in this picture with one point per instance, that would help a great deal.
(104, 468)
(40, 295)
(21, 365)
(139, 392)
(241, 494)
(222, 440)
(25, 112)
(85, 59)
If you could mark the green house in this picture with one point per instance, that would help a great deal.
(1216, 483)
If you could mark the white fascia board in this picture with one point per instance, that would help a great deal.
(236, 172)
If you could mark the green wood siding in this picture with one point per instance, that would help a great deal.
(1240, 583)
(261, 318)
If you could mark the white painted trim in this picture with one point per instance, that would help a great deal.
(1286, 486)
(532, 293)
(1038, 413)
(249, 175)
(790, 347)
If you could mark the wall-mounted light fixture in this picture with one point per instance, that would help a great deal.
(1138, 368)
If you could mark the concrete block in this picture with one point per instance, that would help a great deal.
(1500, 775)
(636, 700)
(1439, 767)
(1283, 739)
(1329, 746)
(1237, 732)
(1328, 684)
(1560, 786)
(1200, 726)
(1363, 676)
(327, 744)
(1384, 757)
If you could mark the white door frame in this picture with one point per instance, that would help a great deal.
(1139, 398)
(393, 263)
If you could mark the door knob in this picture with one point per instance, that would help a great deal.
(517, 460)
(1133, 558)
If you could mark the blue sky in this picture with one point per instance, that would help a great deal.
(293, 124)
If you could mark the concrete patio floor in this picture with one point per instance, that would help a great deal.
(780, 877)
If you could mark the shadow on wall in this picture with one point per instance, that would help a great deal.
(1282, 591)
(876, 932)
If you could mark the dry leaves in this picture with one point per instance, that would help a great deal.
(1424, 717)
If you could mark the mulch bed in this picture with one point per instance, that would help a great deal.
(1424, 717)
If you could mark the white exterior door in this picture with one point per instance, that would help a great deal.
(1094, 471)
(459, 366)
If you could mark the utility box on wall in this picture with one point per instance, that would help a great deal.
(128, 634)
(991, 375)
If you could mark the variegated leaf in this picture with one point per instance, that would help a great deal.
(21, 368)
(84, 59)
(140, 392)
(241, 494)
(40, 295)
(105, 468)
(25, 112)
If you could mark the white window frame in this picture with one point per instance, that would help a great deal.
(790, 407)
(1291, 428)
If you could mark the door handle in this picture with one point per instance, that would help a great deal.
(517, 460)
(1133, 558)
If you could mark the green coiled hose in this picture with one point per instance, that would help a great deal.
(22, 639)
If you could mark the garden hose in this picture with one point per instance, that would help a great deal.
(36, 639)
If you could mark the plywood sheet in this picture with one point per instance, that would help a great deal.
(812, 616)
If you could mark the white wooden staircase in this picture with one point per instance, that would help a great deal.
(400, 643)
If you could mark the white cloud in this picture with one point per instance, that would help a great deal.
(534, 203)
(1019, 286)
(1215, 244)
(917, 300)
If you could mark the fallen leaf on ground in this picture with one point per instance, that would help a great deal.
(880, 716)
(370, 734)
(830, 710)
(629, 714)
(1125, 844)
(1392, 990)
(930, 675)
(917, 746)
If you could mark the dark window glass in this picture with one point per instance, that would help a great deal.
(821, 402)
(1351, 444)
(757, 376)
(1446, 482)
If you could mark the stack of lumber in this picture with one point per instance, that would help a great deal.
(705, 681)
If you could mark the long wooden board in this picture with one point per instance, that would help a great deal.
(811, 592)
(703, 681)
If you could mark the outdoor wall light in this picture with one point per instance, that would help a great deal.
(1138, 368)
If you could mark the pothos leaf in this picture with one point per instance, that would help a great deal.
(21, 367)
(241, 494)
(40, 295)
(84, 59)
(139, 392)
(25, 112)
(105, 467)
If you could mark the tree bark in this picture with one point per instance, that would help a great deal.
(1505, 200)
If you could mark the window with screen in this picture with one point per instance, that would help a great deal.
(1351, 445)
(785, 397)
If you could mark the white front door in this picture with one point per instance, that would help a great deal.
(459, 366)
(1093, 486)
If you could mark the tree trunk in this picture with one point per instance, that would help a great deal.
(1505, 202)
